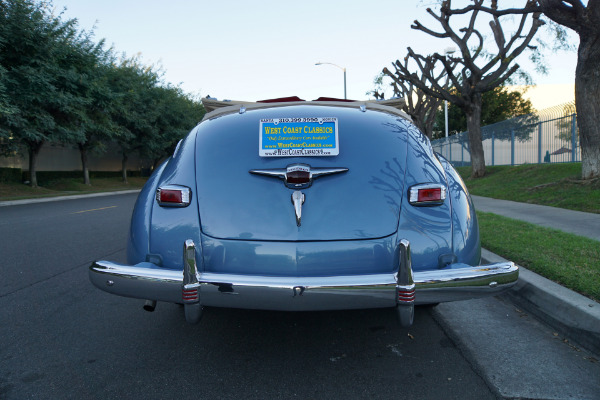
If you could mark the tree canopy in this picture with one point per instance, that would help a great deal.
(497, 105)
(57, 85)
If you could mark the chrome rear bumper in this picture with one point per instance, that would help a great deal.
(148, 281)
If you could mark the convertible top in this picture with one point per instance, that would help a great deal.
(215, 108)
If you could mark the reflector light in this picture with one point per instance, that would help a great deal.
(190, 294)
(173, 196)
(406, 296)
(428, 194)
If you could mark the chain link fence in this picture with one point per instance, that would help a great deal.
(548, 136)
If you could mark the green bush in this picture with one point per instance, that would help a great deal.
(10, 175)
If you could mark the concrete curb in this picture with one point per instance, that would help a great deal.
(68, 197)
(571, 314)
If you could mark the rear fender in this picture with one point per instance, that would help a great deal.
(428, 229)
(465, 229)
(172, 226)
(139, 230)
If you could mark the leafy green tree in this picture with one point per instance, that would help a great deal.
(91, 124)
(151, 117)
(177, 113)
(6, 106)
(134, 109)
(58, 85)
(36, 49)
(497, 105)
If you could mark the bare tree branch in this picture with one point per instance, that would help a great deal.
(470, 74)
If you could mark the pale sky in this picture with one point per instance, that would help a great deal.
(252, 50)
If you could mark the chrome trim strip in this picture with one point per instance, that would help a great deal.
(456, 282)
(317, 172)
(464, 282)
(275, 173)
(142, 281)
(281, 173)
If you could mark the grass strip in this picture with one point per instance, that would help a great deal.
(67, 186)
(570, 260)
(556, 185)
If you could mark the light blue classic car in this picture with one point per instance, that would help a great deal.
(304, 205)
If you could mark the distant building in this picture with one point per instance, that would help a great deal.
(547, 96)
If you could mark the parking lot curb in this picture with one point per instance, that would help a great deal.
(67, 197)
(572, 315)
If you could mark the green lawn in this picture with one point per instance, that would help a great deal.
(67, 186)
(556, 185)
(571, 260)
(567, 259)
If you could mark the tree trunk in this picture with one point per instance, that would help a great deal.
(84, 164)
(473, 113)
(587, 101)
(124, 167)
(34, 149)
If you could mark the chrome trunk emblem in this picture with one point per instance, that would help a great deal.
(297, 176)
(298, 199)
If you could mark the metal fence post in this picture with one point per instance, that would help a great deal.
(573, 138)
(462, 151)
(512, 147)
(539, 143)
(551, 137)
(493, 152)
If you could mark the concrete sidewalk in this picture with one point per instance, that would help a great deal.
(573, 315)
(576, 222)
(66, 197)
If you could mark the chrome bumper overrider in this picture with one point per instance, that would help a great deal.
(405, 288)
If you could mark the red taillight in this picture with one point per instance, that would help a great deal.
(434, 194)
(428, 194)
(173, 196)
(170, 196)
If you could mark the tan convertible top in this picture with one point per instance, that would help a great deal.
(217, 108)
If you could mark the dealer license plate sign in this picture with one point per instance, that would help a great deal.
(298, 137)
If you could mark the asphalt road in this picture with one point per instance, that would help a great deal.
(63, 338)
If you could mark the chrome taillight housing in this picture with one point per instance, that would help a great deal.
(427, 194)
(173, 196)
